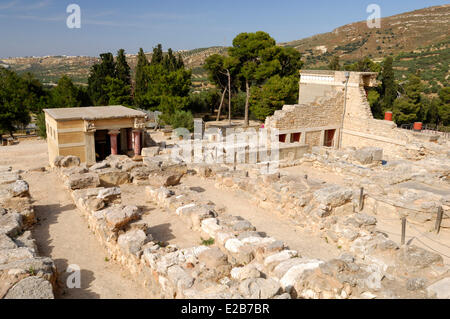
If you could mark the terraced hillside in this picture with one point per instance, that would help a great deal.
(49, 69)
(400, 33)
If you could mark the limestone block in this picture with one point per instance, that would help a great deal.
(333, 196)
(31, 288)
(118, 217)
(259, 288)
(10, 224)
(132, 241)
(80, 181)
(210, 226)
(280, 257)
(113, 177)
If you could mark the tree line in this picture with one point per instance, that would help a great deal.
(405, 99)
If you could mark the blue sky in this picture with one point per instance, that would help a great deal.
(38, 27)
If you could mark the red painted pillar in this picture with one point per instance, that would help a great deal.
(113, 138)
(137, 142)
(130, 139)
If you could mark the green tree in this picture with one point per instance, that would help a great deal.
(389, 86)
(37, 97)
(374, 100)
(141, 80)
(247, 49)
(65, 94)
(444, 106)
(167, 88)
(97, 78)
(259, 58)
(123, 71)
(13, 95)
(407, 108)
(273, 95)
(158, 55)
(363, 65)
(222, 71)
(119, 93)
(334, 64)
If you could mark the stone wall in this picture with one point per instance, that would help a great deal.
(323, 97)
(23, 274)
(239, 262)
(388, 270)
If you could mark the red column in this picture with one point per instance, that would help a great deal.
(113, 139)
(137, 142)
(130, 139)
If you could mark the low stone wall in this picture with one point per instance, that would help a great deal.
(235, 260)
(333, 213)
(23, 274)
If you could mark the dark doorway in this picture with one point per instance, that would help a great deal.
(329, 138)
(295, 137)
(102, 145)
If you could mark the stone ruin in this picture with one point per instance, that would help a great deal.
(23, 273)
(238, 261)
(380, 173)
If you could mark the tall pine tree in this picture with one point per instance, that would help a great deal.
(141, 79)
(122, 68)
(157, 56)
(388, 87)
(97, 79)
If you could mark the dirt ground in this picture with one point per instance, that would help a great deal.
(62, 232)
(165, 226)
(275, 225)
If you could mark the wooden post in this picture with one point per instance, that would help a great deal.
(361, 199)
(440, 215)
(403, 230)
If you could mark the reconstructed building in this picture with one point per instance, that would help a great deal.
(333, 111)
(93, 133)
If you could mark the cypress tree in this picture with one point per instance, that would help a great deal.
(97, 78)
(122, 68)
(157, 57)
(141, 80)
(389, 87)
(334, 64)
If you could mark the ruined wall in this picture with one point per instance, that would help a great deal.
(320, 109)
(336, 100)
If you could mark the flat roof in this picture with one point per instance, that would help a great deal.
(93, 113)
(331, 72)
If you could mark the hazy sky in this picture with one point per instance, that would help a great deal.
(38, 27)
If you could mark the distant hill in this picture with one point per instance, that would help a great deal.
(419, 40)
(49, 69)
(400, 33)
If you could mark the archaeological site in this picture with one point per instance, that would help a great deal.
(321, 201)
